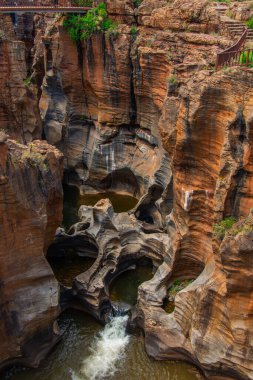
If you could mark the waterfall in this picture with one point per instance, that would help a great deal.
(188, 199)
(106, 351)
(108, 154)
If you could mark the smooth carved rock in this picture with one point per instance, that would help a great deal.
(30, 212)
(103, 146)
(102, 103)
(121, 240)
(19, 114)
(124, 81)
(211, 163)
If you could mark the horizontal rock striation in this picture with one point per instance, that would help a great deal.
(142, 111)
(30, 212)
(102, 99)
(212, 169)
(19, 113)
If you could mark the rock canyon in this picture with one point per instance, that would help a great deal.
(138, 111)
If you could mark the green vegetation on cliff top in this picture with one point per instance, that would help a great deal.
(95, 21)
(250, 23)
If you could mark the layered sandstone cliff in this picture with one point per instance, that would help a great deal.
(212, 180)
(102, 99)
(30, 212)
(130, 110)
(19, 114)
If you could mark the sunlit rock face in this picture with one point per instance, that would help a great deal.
(30, 212)
(143, 113)
(211, 161)
(102, 99)
(89, 109)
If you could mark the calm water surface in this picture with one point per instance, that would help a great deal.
(67, 268)
(72, 202)
(125, 287)
(75, 350)
(89, 351)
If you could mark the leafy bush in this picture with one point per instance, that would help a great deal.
(220, 229)
(95, 21)
(172, 80)
(35, 159)
(178, 285)
(246, 58)
(137, 3)
(250, 23)
(133, 30)
(27, 81)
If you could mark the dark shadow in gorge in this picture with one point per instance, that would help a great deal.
(124, 287)
(121, 180)
(147, 210)
(67, 267)
(155, 205)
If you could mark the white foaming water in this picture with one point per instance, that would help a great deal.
(107, 349)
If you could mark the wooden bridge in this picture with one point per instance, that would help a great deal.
(10, 6)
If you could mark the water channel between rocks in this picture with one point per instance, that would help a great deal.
(72, 202)
(89, 351)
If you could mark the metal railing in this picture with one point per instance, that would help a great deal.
(226, 57)
(16, 5)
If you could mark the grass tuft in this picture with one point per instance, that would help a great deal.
(220, 229)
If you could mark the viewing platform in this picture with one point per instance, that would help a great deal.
(73, 6)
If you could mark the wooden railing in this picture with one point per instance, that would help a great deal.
(242, 57)
(226, 57)
(36, 5)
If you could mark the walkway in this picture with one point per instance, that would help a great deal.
(233, 27)
(9, 6)
(241, 53)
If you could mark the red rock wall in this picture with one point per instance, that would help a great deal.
(30, 212)
(19, 113)
(212, 179)
(160, 83)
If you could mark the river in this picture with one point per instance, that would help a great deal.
(88, 350)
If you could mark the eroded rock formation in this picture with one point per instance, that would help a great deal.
(212, 172)
(101, 100)
(104, 143)
(118, 241)
(19, 114)
(141, 111)
(30, 212)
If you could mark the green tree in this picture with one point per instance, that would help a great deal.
(95, 21)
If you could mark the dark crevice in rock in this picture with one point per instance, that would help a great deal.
(234, 194)
(147, 210)
(133, 105)
(121, 179)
